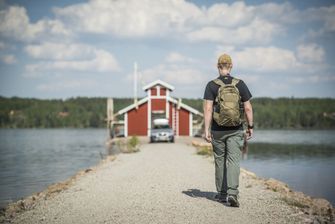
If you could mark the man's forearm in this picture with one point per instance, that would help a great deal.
(249, 116)
(208, 119)
(248, 113)
(208, 109)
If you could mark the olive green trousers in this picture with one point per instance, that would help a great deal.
(227, 149)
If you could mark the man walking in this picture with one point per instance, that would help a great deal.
(224, 100)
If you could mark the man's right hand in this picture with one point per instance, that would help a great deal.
(249, 133)
(208, 136)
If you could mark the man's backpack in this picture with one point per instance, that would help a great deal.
(227, 112)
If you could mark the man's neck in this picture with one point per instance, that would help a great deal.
(225, 74)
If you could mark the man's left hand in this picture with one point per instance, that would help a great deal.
(250, 132)
(208, 136)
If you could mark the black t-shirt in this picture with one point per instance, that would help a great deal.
(211, 92)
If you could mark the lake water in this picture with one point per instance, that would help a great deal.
(32, 159)
(305, 160)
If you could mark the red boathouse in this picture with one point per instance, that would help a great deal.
(158, 103)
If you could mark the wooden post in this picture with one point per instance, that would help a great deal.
(179, 104)
(110, 117)
(135, 85)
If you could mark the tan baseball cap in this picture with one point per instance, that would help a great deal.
(225, 59)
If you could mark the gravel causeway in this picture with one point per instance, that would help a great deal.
(163, 183)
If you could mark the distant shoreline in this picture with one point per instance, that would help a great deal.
(85, 112)
(96, 128)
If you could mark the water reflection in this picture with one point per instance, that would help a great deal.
(306, 168)
(304, 137)
(32, 159)
(288, 151)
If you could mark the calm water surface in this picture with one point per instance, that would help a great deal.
(303, 159)
(32, 159)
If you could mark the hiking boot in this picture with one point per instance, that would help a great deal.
(232, 200)
(221, 198)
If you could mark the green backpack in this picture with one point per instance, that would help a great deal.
(228, 101)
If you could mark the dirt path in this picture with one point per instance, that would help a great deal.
(164, 183)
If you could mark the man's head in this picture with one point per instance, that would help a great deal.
(225, 64)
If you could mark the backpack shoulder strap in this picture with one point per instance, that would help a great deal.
(219, 82)
(234, 81)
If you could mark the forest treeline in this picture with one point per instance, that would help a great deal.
(83, 112)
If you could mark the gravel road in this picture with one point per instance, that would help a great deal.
(163, 183)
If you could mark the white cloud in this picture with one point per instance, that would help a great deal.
(2, 45)
(176, 19)
(172, 74)
(329, 18)
(185, 76)
(310, 53)
(238, 13)
(235, 23)
(61, 51)
(175, 69)
(261, 63)
(278, 13)
(258, 31)
(69, 57)
(264, 59)
(222, 48)
(130, 18)
(9, 59)
(175, 57)
(103, 61)
(307, 58)
(246, 31)
(326, 15)
(14, 23)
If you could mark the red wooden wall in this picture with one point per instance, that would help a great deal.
(153, 92)
(158, 104)
(138, 121)
(162, 91)
(184, 122)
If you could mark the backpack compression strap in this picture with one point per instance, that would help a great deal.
(221, 83)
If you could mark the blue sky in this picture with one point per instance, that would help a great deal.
(62, 49)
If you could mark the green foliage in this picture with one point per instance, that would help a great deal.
(133, 141)
(293, 113)
(128, 145)
(133, 144)
(205, 150)
(79, 112)
(86, 112)
(288, 113)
